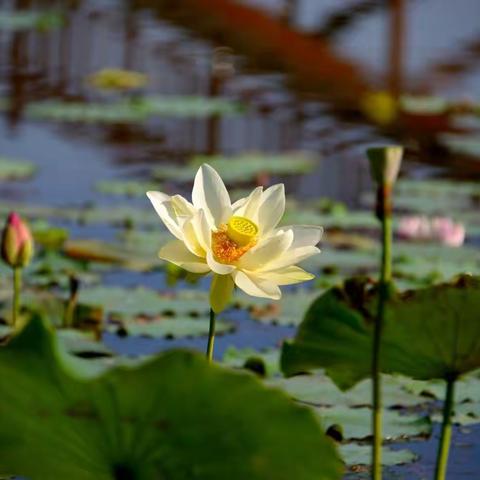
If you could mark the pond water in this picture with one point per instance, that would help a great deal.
(424, 48)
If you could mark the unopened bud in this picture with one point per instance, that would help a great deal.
(17, 242)
(385, 163)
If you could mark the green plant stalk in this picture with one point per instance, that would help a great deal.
(69, 312)
(17, 286)
(384, 214)
(446, 435)
(211, 336)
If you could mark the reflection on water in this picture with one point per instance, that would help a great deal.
(53, 62)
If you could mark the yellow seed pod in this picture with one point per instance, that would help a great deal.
(241, 230)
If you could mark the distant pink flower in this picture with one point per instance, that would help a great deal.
(448, 232)
(441, 229)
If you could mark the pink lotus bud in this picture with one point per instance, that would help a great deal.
(17, 242)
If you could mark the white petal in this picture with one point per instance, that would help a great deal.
(287, 276)
(176, 253)
(292, 256)
(163, 206)
(209, 193)
(255, 286)
(217, 267)
(182, 207)
(250, 205)
(272, 208)
(202, 229)
(266, 251)
(305, 235)
(190, 238)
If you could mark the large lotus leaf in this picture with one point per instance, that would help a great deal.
(173, 417)
(356, 423)
(13, 169)
(428, 333)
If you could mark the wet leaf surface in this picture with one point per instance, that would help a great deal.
(108, 426)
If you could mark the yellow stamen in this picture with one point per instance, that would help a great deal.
(233, 240)
(241, 230)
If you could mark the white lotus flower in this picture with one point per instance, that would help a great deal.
(240, 243)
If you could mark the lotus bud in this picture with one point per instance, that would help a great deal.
(17, 242)
(385, 164)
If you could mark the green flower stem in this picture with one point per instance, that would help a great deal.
(71, 302)
(211, 336)
(17, 285)
(446, 435)
(384, 214)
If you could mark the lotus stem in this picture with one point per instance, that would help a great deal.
(446, 434)
(72, 301)
(384, 215)
(17, 286)
(211, 336)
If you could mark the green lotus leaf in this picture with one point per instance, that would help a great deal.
(356, 454)
(13, 169)
(129, 188)
(287, 311)
(428, 333)
(319, 389)
(125, 302)
(356, 423)
(168, 327)
(173, 417)
(242, 167)
(138, 110)
(237, 358)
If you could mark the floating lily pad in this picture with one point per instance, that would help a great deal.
(356, 423)
(126, 302)
(102, 252)
(13, 169)
(27, 20)
(320, 390)
(467, 144)
(240, 168)
(237, 358)
(169, 327)
(288, 311)
(62, 426)
(129, 188)
(138, 110)
(355, 454)
(428, 333)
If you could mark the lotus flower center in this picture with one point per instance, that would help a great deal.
(234, 239)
